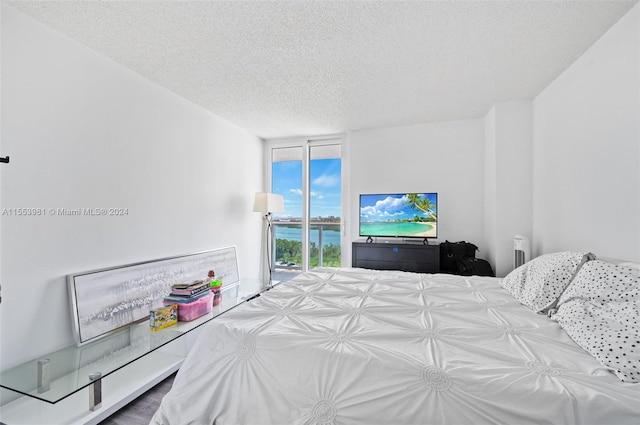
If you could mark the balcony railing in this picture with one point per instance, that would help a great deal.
(288, 255)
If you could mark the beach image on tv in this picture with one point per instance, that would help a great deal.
(399, 215)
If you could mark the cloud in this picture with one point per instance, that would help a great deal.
(326, 180)
(298, 192)
(391, 204)
(385, 209)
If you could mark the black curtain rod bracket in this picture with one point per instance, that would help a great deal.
(5, 159)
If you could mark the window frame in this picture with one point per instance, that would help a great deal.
(306, 143)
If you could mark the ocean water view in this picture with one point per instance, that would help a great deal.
(330, 233)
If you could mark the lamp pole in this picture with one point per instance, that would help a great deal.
(268, 203)
(268, 217)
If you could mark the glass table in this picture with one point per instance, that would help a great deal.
(60, 374)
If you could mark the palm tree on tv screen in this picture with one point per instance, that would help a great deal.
(422, 204)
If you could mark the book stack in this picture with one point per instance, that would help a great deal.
(184, 293)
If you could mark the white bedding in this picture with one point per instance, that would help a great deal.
(350, 346)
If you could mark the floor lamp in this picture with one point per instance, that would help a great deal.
(268, 203)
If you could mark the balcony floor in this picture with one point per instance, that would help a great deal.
(283, 275)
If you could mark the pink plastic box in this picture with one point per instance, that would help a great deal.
(194, 309)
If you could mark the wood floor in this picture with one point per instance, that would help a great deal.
(140, 410)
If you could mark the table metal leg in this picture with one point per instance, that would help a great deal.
(95, 391)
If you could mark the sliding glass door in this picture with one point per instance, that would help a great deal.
(324, 196)
(287, 180)
(307, 234)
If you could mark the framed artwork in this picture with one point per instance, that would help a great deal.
(105, 300)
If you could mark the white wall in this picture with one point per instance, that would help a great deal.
(446, 157)
(490, 186)
(84, 132)
(586, 157)
(508, 180)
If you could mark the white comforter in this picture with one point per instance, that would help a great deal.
(349, 346)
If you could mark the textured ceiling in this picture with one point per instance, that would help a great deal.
(282, 69)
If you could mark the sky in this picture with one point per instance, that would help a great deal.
(324, 177)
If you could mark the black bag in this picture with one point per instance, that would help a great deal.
(450, 252)
(474, 266)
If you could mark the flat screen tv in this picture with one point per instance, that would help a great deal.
(403, 215)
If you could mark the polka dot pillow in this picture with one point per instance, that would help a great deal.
(600, 311)
(539, 283)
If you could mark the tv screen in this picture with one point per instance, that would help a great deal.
(406, 215)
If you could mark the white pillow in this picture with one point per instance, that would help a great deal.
(539, 283)
(619, 262)
(601, 312)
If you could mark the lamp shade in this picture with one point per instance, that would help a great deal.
(268, 203)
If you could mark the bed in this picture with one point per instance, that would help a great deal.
(347, 346)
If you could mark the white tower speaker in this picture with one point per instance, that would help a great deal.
(521, 249)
